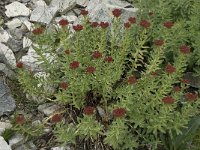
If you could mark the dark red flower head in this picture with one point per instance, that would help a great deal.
(119, 112)
(170, 69)
(63, 85)
(158, 42)
(78, 27)
(104, 25)
(56, 118)
(38, 31)
(74, 65)
(132, 80)
(168, 100)
(20, 119)
(67, 52)
(168, 24)
(116, 12)
(191, 96)
(154, 74)
(184, 49)
(185, 81)
(94, 24)
(90, 69)
(132, 20)
(127, 25)
(108, 59)
(84, 12)
(89, 110)
(19, 64)
(63, 22)
(177, 88)
(96, 54)
(150, 13)
(145, 23)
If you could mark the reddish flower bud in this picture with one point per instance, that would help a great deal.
(38, 31)
(168, 100)
(104, 25)
(94, 24)
(63, 22)
(177, 88)
(19, 64)
(150, 13)
(89, 110)
(154, 74)
(127, 25)
(67, 52)
(108, 59)
(191, 96)
(20, 119)
(116, 12)
(185, 81)
(96, 54)
(158, 42)
(78, 27)
(184, 49)
(63, 85)
(119, 112)
(84, 12)
(170, 69)
(90, 69)
(132, 20)
(56, 118)
(132, 79)
(168, 24)
(74, 65)
(145, 24)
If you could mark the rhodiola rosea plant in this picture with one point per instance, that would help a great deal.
(122, 68)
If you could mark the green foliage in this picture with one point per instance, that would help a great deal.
(127, 81)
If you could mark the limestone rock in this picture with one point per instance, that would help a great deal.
(14, 23)
(7, 72)
(48, 108)
(3, 126)
(7, 103)
(17, 9)
(3, 144)
(4, 35)
(16, 140)
(7, 56)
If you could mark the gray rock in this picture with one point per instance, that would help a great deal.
(83, 3)
(7, 72)
(7, 103)
(4, 144)
(17, 33)
(26, 42)
(15, 45)
(14, 23)
(194, 81)
(7, 56)
(17, 9)
(3, 126)
(101, 10)
(4, 35)
(43, 14)
(48, 108)
(16, 140)
(63, 5)
(61, 148)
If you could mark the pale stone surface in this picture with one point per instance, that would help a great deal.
(82, 2)
(17, 9)
(63, 5)
(7, 72)
(7, 103)
(43, 13)
(48, 108)
(14, 23)
(16, 140)
(3, 144)
(61, 148)
(194, 81)
(4, 35)
(26, 42)
(8, 55)
(3, 126)
(28, 25)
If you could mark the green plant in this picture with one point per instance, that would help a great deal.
(133, 71)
